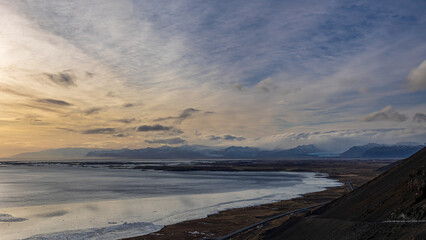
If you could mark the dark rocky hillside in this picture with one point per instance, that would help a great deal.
(391, 206)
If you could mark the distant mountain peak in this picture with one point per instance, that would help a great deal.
(57, 153)
(239, 148)
(308, 147)
(232, 152)
(374, 150)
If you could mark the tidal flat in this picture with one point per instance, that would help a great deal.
(109, 201)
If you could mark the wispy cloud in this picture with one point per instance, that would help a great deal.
(53, 102)
(42, 108)
(417, 78)
(66, 129)
(171, 141)
(52, 214)
(100, 131)
(257, 65)
(64, 79)
(386, 114)
(226, 138)
(93, 110)
(266, 85)
(120, 135)
(184, 115)
(128, 105)
(153, 128)
(125, 120)
(15, 92)
(338, 140)
(419, 117)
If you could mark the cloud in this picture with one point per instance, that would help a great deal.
(386, 114)
(339, 133)
(171, 141)
(14, 92)
(32, 119)
(94, 110)
(52, 214)
(110, 94)
(337, 140)
(40, 108)
(90, 74)
(120, 135)
(196, 56)
(65, 78)
(419, 117)
(214, 138)
(54, 102)
(9, 218)
(184, 115)
(364, 90)
(128, 105)
(187, 113)
(125, 120)
(232, 138)
(416, 79)
(100, 131)
(238, 87)
(66, 129)
(266, 85)
(226, 138)
(151, 128)
(49, 105)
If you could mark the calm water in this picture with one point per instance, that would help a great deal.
(74, 202)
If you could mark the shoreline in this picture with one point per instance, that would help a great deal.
(54, 220)
(126, 223)
(227, 221)
(229, 218)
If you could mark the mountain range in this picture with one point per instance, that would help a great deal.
(193, 152)
(57, 153)
(371, 150)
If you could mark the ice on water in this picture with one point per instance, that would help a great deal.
(62, 202)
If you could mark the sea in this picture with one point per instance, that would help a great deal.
(60, 200)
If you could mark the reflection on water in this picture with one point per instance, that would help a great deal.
(102, 203)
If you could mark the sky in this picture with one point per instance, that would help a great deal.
(268, 74)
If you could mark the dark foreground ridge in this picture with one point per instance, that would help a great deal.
(391, 206)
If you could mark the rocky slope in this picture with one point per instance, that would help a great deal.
(391, 206)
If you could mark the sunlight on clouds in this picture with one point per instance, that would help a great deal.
(32, 64)
(256, 71)
(417, 77)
